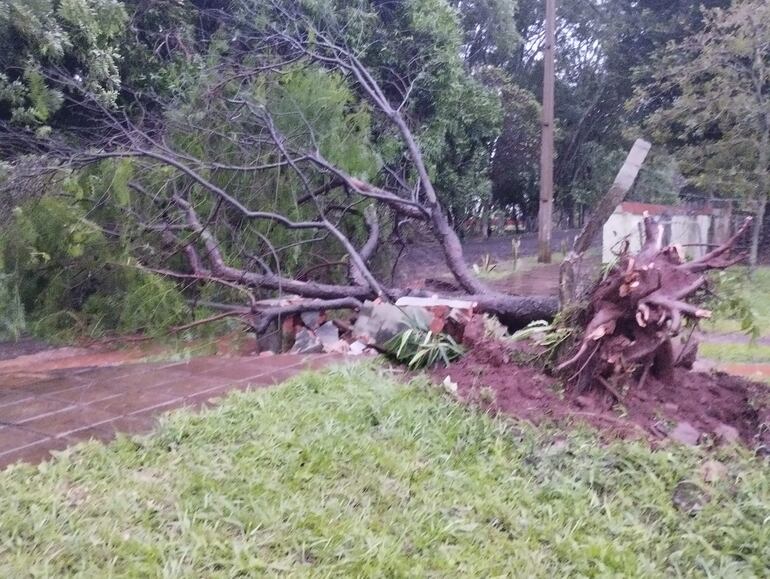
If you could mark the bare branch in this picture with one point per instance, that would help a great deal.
(269, 315)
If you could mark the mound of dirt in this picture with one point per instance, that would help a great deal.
(694, 408)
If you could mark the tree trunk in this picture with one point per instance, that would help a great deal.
(756, 232)
(517, 311)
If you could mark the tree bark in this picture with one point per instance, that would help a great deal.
(756, 232)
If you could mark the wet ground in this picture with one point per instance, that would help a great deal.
(53, 399)
(25, 346)
(715, 406)
(424, 259)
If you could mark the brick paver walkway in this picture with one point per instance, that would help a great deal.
(50, 410)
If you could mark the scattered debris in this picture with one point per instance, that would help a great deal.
(689, 498)
(306, 342)
(685, 433)
(375, 325)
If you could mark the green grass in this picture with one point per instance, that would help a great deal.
(756, 291)
(737, 353)
(504, 269)
(350, 473)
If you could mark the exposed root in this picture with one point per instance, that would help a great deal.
(640, 307)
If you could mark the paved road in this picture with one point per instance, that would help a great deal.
(44, 411)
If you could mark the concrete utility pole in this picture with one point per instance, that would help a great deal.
(545, 212)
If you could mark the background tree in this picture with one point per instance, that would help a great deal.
(80, 36)
(599, 44)
(711, 96)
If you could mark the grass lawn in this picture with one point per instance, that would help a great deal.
(504, 269)
(350, 473)
(738, 353)
(756, 291)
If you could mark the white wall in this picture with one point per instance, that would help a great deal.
(687, 230)
(618, 227)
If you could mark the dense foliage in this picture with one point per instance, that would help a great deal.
(710, 96)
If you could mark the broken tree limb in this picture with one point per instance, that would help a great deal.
(267, 316)
(227, 232)
(617, 193)
(368, 249)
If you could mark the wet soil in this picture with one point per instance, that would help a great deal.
(708, 402)
(424, 258)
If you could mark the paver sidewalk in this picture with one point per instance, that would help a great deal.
(50, 410)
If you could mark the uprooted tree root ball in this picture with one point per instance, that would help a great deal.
(627, 372)
(637, 311)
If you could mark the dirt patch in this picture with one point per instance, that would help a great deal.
(540, 281)
(716, 406)
(423, 258)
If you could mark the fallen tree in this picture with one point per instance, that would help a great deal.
(632, 317)
(200, 167)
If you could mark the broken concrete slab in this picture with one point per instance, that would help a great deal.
(328, 334)
(311, 320)
(435, 301)
(306, 342)
(357, 348)
(379, 323)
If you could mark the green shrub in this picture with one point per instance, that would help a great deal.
(73, 280)
(418, 347)
(151, 304)
(12, 318)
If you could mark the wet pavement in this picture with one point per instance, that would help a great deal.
(44, 410)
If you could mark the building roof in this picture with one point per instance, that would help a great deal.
(636, 208)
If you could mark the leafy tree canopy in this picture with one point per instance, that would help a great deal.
(710, 94)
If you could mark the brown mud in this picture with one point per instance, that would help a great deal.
(718, 406)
